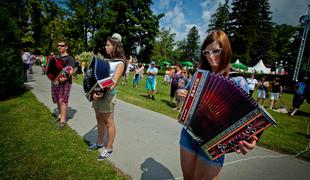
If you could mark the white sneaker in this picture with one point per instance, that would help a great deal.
(105, 154)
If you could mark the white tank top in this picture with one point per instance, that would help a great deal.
(113, 65)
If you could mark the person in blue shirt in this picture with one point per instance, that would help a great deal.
(300, 95)
(151, 80)
(195, 164)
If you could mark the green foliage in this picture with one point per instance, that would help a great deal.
(191, 51)
(242, 28)
(285, 45)
(163, 46)
(136, 23)
(220, 18)
(11, 65)
(262, 45)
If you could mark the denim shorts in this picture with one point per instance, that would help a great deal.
(189, 144)
(261, 94)
(274, 96)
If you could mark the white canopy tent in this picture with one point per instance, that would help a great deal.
(260, 68)
(237, 62)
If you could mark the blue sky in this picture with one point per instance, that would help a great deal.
(181, 15)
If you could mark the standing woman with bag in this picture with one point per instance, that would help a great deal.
(104, 106)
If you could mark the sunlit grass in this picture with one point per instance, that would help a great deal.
(32, 147)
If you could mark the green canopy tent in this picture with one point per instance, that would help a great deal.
(239, 65)
(165, 63)
(186, 63)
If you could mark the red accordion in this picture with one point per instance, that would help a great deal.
(218, 114)
(56, 69)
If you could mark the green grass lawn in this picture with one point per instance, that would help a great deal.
(291, 135)
(32, 147)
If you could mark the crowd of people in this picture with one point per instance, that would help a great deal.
(274, 90)
(215, 56)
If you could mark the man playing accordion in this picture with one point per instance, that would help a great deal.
(61, 86)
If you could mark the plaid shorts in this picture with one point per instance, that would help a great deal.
(61, 92)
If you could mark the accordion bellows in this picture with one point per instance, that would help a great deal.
(218, 114)
(97, 77)
(54, 67)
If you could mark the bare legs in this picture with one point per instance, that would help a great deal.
(273, 104)
(262, 99)
(194, 168)
(105, 120)
(62, 112)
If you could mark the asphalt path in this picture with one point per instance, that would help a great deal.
(147, 143)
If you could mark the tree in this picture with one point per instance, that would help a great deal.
(11, 65)
(220, 18)
(135, 21)
(285, 46)
(262, 46)
(243, 21)
(82, 21)
(53, 26)
(179, 50)
(191, 49)
(163, 46)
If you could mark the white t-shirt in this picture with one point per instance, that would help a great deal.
(251, 83)
(113, 66)
(26, 58)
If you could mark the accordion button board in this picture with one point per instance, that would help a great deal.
(218, 114)
(97, 79)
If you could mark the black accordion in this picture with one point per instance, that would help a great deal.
(218, 114)
(97, 78)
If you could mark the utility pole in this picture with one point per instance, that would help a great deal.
(306, 20)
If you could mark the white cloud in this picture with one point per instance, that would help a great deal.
(175, 19)
(164, 3)
(180, 24)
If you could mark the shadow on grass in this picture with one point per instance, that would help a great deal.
(145, 96)
(307, 136)
(173, 105)
(302, 113)
(154, 170)
(14, 93)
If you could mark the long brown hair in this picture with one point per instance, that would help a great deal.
(118, 51)
(221, 38)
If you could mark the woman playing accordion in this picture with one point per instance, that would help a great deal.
(104, 104)
(215, 57)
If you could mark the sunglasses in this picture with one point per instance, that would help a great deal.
(214, 52)
(61, 45)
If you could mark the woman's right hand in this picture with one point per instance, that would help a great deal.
(182, 93)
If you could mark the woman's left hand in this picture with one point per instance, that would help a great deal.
(112, 86)
(244, 147)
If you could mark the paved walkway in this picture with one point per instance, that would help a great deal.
(146, 144)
